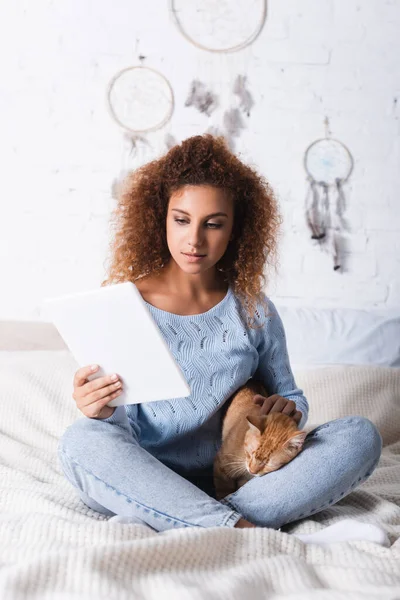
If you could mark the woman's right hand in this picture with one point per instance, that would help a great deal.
(91, 397)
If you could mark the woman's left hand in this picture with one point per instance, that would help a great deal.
(277, 403)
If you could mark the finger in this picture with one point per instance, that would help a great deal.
(83, 373)
(266, 406)
(100, 398)
(279, 405)
(258, 399)
(94, 409)
(297, 416)
(100, 382)
(290, 408)
(101, 392)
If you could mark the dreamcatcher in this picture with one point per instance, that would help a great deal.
(328, 164)
(140, 100)
(219, 25)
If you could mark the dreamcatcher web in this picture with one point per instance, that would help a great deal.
(219, 25)
(140, 99)
(328, 160)
(328, 164)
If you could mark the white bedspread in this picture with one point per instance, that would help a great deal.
(53, 546)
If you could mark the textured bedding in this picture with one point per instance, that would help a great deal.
(53, 546)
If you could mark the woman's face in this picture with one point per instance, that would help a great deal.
(194, 228)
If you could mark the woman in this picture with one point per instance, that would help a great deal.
(195, 230)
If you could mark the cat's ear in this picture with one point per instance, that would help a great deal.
(296, 441)
(256, 424)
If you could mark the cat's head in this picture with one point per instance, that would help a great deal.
(271, 442)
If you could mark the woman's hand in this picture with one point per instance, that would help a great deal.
(278, 403)
(91, 397)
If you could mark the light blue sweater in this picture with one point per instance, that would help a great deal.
(217, 352)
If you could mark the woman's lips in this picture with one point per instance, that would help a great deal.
(193, 258)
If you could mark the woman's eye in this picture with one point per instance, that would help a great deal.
(211, 225)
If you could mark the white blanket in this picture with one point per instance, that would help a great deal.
(53, 546)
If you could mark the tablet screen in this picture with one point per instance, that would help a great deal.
(112, 327)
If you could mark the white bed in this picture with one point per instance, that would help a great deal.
(54, 547)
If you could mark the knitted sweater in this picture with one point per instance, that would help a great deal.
(218, 352)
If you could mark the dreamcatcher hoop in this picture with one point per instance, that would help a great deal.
(328, 164)
(249, 40)
(329, 148)
(150, 100)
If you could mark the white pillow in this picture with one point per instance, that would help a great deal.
(318, 336)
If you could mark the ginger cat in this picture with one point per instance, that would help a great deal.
(253, 444)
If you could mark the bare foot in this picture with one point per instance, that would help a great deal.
(242, 523)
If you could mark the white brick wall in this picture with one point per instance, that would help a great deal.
(60, 150)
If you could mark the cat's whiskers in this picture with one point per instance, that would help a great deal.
(238, 472)
(234, 462)
(235, 469)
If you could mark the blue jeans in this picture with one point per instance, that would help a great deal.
(113, 474)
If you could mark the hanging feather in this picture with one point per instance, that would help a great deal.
(338, 219)
(338, 222)
(216, 131)
(325, 206)
(342, 200)
(115, 188)
(313, 217)
(310, 218)
(170, 141)
(134, 145)
(201, 98)
(135, 142)
(233, 122)
(332, 237)
(246, 100)
(336, 251)
(333, 223)
(116, 185)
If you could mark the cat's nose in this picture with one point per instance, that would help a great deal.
(251, 471)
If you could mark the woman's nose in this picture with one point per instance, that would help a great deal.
(195, 239)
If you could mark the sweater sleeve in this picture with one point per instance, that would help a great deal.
(274, 368)
(126, 418)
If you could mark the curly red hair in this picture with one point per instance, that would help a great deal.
(139, 246)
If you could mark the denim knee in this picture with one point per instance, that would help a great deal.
(366, 436)
(75, 433)
(79, 442)
(78, 448)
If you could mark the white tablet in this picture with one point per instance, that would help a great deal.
(113, 328)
